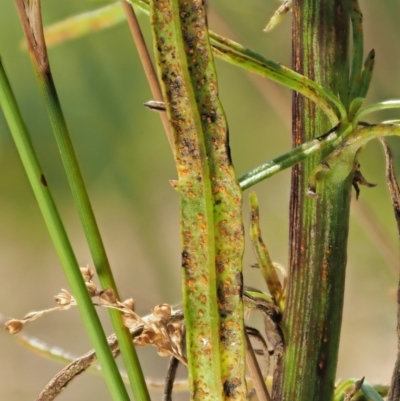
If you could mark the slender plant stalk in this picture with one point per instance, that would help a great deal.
(394, 392)
(255, 372)
(313, 147)
(210, 202)
(31, 21)
(266, 265)
(146, 63)
(60, 239)
(318, 227)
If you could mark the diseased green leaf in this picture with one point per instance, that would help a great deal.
(210, 201)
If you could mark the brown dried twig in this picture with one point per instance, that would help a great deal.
(394, 392)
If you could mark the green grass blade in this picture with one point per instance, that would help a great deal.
(84, 24)
(331, 105)
(60, 239)
(370, 393)
(366, 75)
(279, 15)
(358, 50)
(324, 144)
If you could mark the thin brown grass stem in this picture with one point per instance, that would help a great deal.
(255, 372)
(146, 63)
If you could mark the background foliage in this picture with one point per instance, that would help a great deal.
(126, 161)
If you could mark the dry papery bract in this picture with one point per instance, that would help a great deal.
(163, 328)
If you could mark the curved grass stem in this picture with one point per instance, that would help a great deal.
(327, 142)
(386, 105)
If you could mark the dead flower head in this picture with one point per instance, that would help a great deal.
(87, 273)
(107, 297)
(64, 300)
(162, 312)
(92, 289)
(14, 326)
(129, 304)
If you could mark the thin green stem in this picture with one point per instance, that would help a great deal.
(60, 239)
(386, 105)
(300, 153)
(31, 20)
(92, 233)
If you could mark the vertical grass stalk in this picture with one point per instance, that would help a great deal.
(318, 227)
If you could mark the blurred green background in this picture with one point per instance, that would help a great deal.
(127, 163)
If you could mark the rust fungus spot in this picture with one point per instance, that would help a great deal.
(230, 387)
(43, 180)
(185, 259)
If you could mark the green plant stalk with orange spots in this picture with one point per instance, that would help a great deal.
(210, 202)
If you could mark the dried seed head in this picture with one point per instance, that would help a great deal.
(173, 327)
(87, 273)
(175, 332)
(150, 335)
(14, 326)
(129, 304)
(163, 352)
(107, 297)
(142, 340)
(64, 299)
(92, 289)
(162, 312)
(130, 320)
(160, 339)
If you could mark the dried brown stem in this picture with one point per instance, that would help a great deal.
(394, 392)
(31, 19)
(64, 377)
(170, 378)
(255, 372)
(146, 63)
